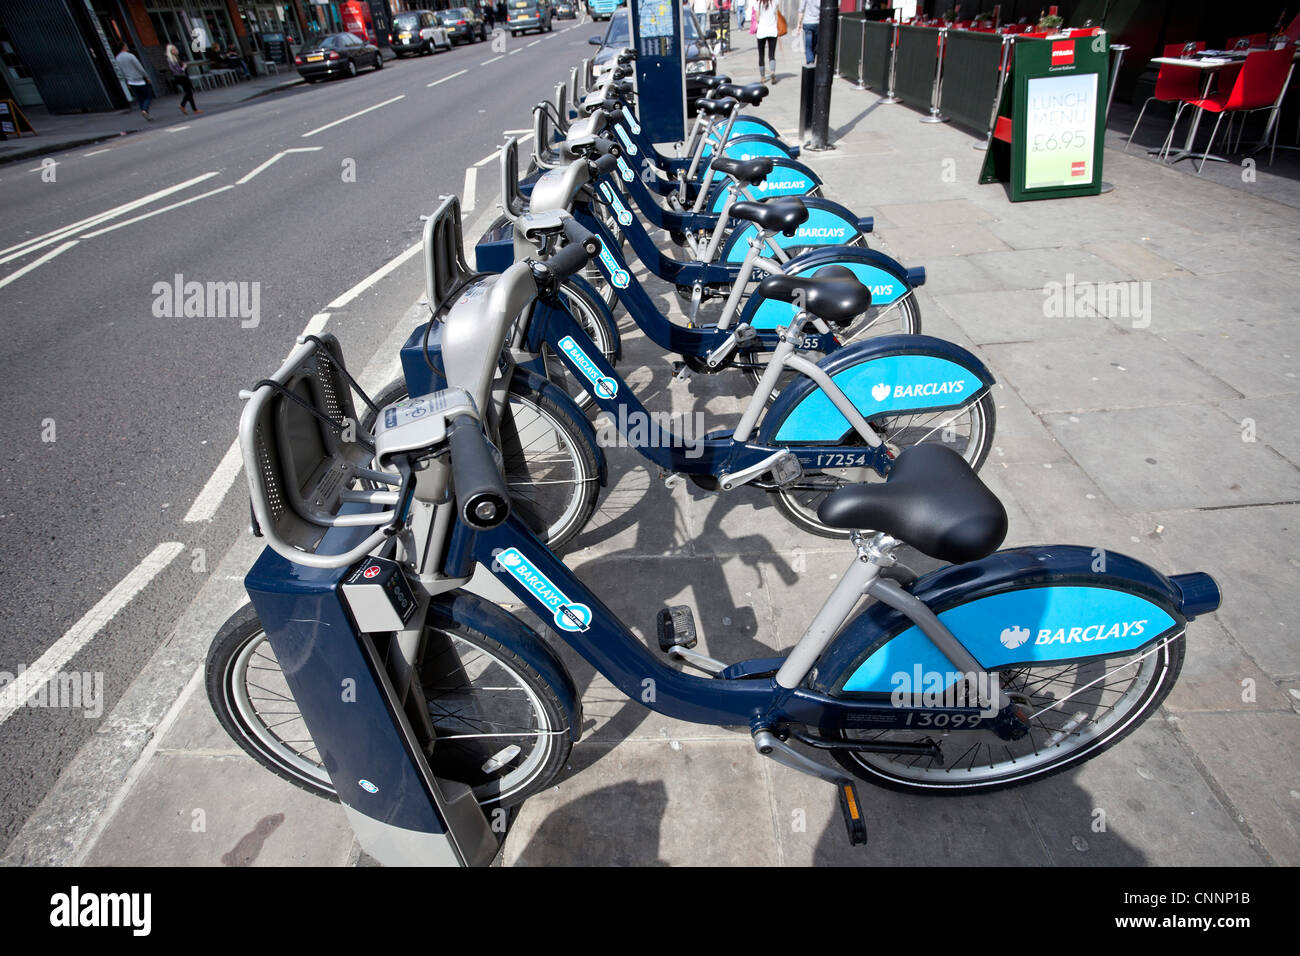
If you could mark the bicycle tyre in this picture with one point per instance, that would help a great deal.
(242, 639)
(1161, 670)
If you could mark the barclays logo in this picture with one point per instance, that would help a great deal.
(617, 276)
(566, 615)
(605, 387)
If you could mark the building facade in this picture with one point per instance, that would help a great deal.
(57, 54)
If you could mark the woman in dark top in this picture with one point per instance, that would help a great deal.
(181, 78)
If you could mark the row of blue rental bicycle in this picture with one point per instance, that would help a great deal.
(376, 665)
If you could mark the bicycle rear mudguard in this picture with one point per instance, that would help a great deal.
(828, 224)
(887, 279)
(745, 125)
(752, 147)
(887, 375)
(1039, 606)
(401, 813)
(788, 178)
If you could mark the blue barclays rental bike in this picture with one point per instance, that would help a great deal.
(745, 331)
(842, 419)
(364, 671)
(746, 167)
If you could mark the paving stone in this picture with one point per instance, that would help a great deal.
(1149, 459)
(1253, 758)
(193, 810)
(1253, 554)
(1110, 371)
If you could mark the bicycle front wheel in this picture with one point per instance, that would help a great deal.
(500, 727)
(549, 467)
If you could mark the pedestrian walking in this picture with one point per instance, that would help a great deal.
(181, 78)
(810, 18)
(765, 17)
(490, 15)
(136, 78)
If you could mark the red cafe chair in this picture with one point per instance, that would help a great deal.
(1174, 84)
(1257, 87)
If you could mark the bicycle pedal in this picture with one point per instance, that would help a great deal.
(681, 372)
(676, 626)
(851, 807)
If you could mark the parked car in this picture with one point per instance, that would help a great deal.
(525, 15)
(463, 24)
(618, 36)
(336, 54)
(418, 31)
(566, 10)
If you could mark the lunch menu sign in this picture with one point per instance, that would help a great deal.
(1052, 120)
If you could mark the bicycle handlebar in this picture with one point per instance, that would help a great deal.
(481, 495)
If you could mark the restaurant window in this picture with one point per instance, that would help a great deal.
(181, 17)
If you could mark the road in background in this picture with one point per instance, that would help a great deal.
(120, 412)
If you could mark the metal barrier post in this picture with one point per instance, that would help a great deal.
(997, 95)
(1118, 49)
(889, 96)
(937, 92)
(861, 84)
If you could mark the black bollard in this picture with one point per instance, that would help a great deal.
(807, 85)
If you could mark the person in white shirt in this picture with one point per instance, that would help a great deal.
(136, 78)
(766, 10)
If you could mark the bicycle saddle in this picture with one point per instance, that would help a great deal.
(932, 500)
(713, 82)
(751, 93)
(783, 214)
(717, 107)
(752, 171)
(832, 293)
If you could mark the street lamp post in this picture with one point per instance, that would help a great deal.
(827, 42)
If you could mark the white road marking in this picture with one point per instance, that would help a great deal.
(467, 194)
(321, 129)
(49, 238)
(535, 42)
(217, 486)
(46, 165)
(176, 129)
(316, 326)
(214, 490)
(488, 158)
(15, 694)
(277, 156)
(493, 60)
(38, 263)
(374, 277)
(514, 51)
(175, 205)
(96, 152)
(446, 78)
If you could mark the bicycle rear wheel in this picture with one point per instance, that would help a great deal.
(967, 430)
(1076, 711)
